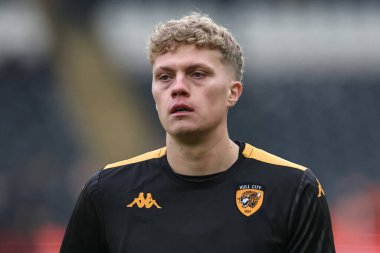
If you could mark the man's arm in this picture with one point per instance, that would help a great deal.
(310, 227)
(84, 232)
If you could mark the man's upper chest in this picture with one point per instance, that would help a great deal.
(233, 215)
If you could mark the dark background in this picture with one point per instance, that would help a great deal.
(75, 95)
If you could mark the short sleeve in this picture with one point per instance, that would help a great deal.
(309, 225)
(84, 232)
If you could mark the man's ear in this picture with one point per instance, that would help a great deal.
(236, 89)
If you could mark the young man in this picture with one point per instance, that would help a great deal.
(203, 192)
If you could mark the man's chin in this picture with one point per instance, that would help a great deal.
(185, 133)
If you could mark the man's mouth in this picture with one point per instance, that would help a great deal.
(180, 108)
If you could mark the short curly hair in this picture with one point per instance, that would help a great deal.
(201, 31)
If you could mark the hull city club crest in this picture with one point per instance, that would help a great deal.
(249, 198)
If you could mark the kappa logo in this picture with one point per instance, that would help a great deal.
(249, 198)
(141, 201)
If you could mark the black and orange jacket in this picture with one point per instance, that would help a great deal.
(262, 203)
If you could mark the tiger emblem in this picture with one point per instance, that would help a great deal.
(250, 199)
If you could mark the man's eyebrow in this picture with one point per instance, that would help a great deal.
(187, 68)
(199, 65)
(162, 68)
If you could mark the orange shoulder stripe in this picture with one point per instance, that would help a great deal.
(263, 156)
(147, 156)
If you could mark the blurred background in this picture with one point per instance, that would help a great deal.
(75, 95)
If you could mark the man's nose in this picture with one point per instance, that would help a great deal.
(180, 87)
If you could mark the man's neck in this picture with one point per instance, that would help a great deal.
(201, 158)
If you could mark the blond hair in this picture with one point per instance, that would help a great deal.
(201, 31)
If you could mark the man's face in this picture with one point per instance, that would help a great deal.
(193, 90)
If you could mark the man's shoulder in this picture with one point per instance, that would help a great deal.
(260, 155)
(158, 153)
(276, 171)
(119, 174)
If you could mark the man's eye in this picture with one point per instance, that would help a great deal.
(164, 77)
(198, 74)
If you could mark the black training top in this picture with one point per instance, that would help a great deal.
(262, 203)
